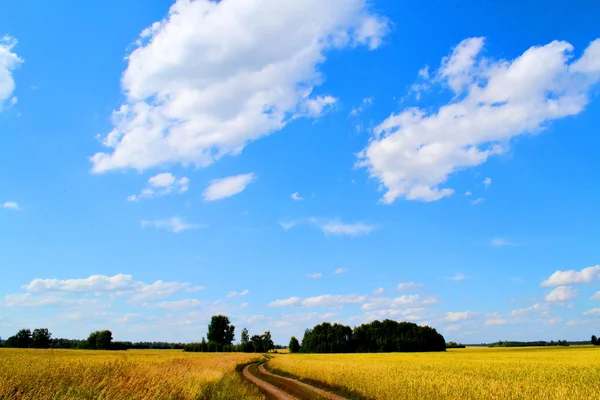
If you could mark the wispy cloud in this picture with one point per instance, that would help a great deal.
(11, 205)
(316, 275)
(340, 271)
(238, 294)
(173, 224)
(296, 197)
(500, 242)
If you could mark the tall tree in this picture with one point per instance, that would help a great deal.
(594, 340)
(23, 339)
(40, 338)
(267, 341)
(257, 343)
(100, 340)
(294, 345)
(220, 331)
(245, 341)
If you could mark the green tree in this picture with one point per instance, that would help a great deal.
(267, 341)
(100, 340)
(594, 340)
(220, 331)
(294, 345)
(257, 343)
(40, 338)
(22, 339)
(245, 341)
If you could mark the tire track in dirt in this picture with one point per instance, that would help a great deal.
(280, 387)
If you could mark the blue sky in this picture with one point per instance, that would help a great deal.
(287, 164)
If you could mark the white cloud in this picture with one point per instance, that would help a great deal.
(413, 300)
(162, 184)
(521, 311)
(366, 102)
(459, 316)
(477, 201)
(194, 96)
(292, 301)
(409, 286)
(328, 300)
(340, 228)
(340, 271)
(238, 294)
(316, 275)
(9, 61)
(424, 72)
(318, 106)
(468, 193)
(458, 277)
(586, 275)
(487, 182)
(227, 187)
(496, 322)
(325, 300)
(500, 242)
(176, 304)
(561, 293)
(413, 153)
(11, 205)
(554, 321)
(379, 291)
(593, 311)
(173, 224)
(296, 196)
(29, 300)
(596, 296)
(120, 285)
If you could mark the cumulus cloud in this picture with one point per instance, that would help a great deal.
(413, 153)
(409, 286)
(521, 311)
(176, 304)
(570, 277)
(30, 300)
(9, 61)
(162, 184)
(561, 294)
(120, 285)
(238, 294)
(316, 275)
(11, 205)
(296, 197)
(292, 301)
(173, 224)
(193, 96)
(596, 296)
(593, 311)
(379, 291)
(227, 187)
(459, 316)
(487, 182)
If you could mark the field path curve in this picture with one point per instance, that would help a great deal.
(271, 390)
(322, 392)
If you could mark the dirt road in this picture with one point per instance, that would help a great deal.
(283, 388)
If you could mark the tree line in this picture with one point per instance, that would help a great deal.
(41, 338)
(221, 334)
(509, 343)
(374, 337)
(595, 341)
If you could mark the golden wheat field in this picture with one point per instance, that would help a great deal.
(132, 374)
(472, 373)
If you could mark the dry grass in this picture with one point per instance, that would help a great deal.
(133, 374)
(480, 373)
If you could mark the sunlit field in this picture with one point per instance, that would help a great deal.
(472, 373)
(132, 374)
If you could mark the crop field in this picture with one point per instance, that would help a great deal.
(132, 374)
(472, 373)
